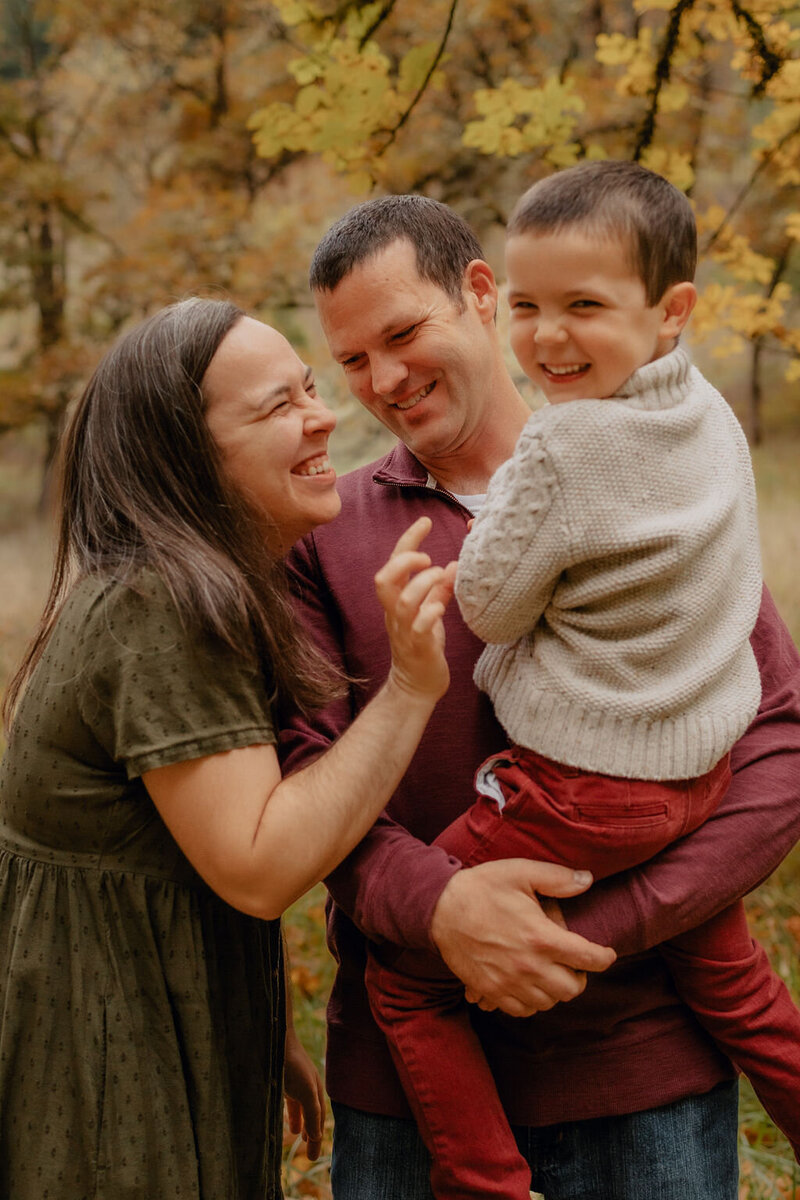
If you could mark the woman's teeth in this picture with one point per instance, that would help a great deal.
(314, 466)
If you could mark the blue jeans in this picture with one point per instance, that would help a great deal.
(683, 1151)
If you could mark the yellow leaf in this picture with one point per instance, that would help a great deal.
(414, 66)
(675, 165)
(615, 49)
(360, 20)
(305, 70)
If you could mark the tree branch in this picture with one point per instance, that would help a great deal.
(766, 159)
(663, 71)
(770, 61)
(421, 90)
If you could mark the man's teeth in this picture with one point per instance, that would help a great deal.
(316, 466)
(574, 370)
(412, 400)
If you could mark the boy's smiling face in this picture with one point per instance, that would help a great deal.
(580, 321)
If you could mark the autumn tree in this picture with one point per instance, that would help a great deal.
(152, 150)
(41, 208)
(130, 178)
(473, 101)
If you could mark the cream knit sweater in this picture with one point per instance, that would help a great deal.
(615, 568)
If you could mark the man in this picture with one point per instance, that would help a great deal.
(619, 1093)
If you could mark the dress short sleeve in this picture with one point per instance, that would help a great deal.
(155, 693)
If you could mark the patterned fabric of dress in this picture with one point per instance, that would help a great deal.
(141, 1017)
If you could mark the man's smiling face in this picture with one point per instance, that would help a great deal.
(412, 357)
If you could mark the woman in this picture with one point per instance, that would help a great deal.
(147, 842)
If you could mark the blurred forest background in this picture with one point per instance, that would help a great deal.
(159, 148)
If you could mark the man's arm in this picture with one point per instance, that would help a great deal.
(392, 883)
(754, 828)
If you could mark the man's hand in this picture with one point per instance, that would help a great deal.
(494, 934)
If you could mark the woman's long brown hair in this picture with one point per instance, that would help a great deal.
(142, 486)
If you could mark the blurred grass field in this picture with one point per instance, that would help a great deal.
(768, 1168)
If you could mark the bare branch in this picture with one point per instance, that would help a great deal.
(764, 162)
(392, 134)
(376, 24)
(771, 62)
(662, 74)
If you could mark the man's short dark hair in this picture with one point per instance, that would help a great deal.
(443, 242)
(618, 199)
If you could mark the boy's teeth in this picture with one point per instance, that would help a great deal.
(564, 370)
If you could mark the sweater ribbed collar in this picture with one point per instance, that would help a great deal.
(662, 383)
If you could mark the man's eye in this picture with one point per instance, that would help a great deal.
(404, 333)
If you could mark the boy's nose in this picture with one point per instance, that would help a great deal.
(549, 330)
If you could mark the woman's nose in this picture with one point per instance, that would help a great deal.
(319, 416)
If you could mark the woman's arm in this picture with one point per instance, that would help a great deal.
(260, 841)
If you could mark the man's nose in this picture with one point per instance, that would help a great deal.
(388, 373)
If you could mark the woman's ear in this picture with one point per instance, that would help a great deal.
(480, 287)
(677, 304)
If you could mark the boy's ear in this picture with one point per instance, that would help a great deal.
(481, 287)
(677, 304)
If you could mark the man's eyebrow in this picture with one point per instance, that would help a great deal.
(390, 328)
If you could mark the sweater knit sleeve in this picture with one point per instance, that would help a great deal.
(512, 557)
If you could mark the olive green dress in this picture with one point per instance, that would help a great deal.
(141, 1017)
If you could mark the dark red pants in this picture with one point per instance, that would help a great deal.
(603, 824)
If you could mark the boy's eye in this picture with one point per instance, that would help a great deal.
(526, 305)
(586, 304)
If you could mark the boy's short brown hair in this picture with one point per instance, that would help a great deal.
(618, 199)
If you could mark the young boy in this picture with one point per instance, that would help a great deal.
(614, 571)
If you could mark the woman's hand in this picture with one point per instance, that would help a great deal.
(274, 838)
(414, 596)
(304, 1094)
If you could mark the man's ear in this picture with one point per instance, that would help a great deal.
(677, 304)
(480, 287)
